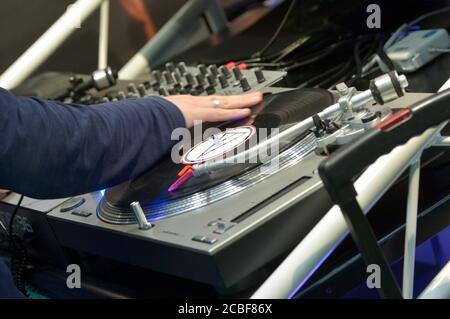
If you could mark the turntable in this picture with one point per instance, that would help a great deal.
(279, 111)
(228, 221)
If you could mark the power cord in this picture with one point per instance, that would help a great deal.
(272, 40)
(19, 253)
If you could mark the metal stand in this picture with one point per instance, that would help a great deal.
(371, 252)
(51, 40)
(411, 228)
(175, 35)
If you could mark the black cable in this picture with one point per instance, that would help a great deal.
(320, 76)
(19, 253)
(261, 52)
(13, 216)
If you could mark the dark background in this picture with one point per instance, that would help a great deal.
(23, 21)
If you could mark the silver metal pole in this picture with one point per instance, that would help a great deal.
(174, 35)
(103, 35)
(39, 52)
(411, 228)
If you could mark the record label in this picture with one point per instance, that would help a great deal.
(218, 144)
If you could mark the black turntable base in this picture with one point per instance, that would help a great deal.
(280, 111)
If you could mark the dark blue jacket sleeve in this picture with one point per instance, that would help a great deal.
(52, 150)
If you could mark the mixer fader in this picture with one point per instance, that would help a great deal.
(179, 78)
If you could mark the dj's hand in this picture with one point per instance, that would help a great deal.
(215, 108)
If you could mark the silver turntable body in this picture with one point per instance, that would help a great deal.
(219, 236)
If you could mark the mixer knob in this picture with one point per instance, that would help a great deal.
(190, 79)
(105, 99)
(244, 84)
(237, 73)
(213, 70)
(203, 70)
(121, 96)
(185, 90)
(157, 75)
(200, 79)
(211, 80)
(223, 81)
(170, 67)
(182, 68)
(260, 76)
(132, 88)
(174, 91)
(163, 92)
(167, 77)
(177, 79)
(147, 85)
(210, 90)
(199, 89)
(224, 70)
(155, 85)
(141, 90)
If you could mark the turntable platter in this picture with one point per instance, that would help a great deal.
(280, 111)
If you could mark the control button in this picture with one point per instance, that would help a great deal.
(174, 91)
(204, 239)
(155, 85)
(223, 81)
(190, 80)
(225, 71)
(157, 75)
(203, 70)
(211, 80)
(237, 73)
(244, 84)
(163, 92)
(147, 85)
(170, 67)
(213, 70)
(167, 77)
(182, 68)
(71, 204)
(177, 78)
(260, 76)
(132, 88)
(200, 79)
(121, 96)
(81, 213)
(199, 89)
(214, 222)
(210, 90)
(141, 90)
(222, 226)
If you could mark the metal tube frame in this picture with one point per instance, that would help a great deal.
(315, 248)
(103, 39)
(174, 35)
(51, 40)
(411, 229)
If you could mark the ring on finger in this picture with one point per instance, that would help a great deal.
(217, 103)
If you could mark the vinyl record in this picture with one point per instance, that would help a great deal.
(280, 111)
